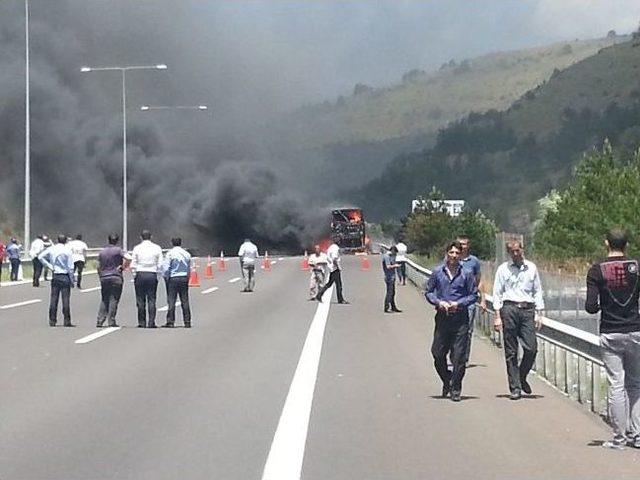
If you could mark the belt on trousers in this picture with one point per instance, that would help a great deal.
(522, 305)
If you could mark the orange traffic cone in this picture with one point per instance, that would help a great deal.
(208, 270)
(194, 281)
(305, 262)
(364, 264)
(222, 265)
(266, 263)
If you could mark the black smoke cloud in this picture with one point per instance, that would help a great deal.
(208, 178)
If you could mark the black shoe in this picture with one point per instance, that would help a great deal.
(515, 395)
(187, 325)
(396, 310)
(386, 310)
(142, 326)
(69, 325)
(446, 389)
(319, 298)
(114, 325)
(167, 325)
(456, 396)
(526, 388)
(52, 324)
(99, 325)
(152, 325)
(344, 302)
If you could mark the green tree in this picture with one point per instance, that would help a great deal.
(605, 194)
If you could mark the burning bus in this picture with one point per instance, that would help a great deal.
(348, 230)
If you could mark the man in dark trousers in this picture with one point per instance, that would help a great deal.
(112, 261)
(177, 266)
(518, 305)
(389, 267)
(451, 289)
(613, 287)
(335, 267)
(59, 259)
(146, 264)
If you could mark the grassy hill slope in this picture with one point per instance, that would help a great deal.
(504, 161)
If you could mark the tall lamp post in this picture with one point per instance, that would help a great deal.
(123, 71)
(27, 138)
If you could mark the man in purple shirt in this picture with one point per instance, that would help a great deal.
(112, 260)
(451, 289)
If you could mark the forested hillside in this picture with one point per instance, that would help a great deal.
(504, 161)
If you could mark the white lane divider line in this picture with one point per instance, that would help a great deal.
(287, 450)
(87, 290)
(209, 290)
(166, 307)
(273, 262)
(280, 259)
(94, 336)
(20, 304)
(235, 279)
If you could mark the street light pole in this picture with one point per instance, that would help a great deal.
(123, 71)
(27, 138)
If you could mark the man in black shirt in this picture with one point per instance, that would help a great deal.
(613, 287)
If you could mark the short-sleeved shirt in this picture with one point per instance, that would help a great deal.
(248, 253)
(472, 264)
(388, 259)
(109, 261)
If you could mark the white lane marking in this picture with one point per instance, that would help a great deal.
(273, 262)
(234, 280)
(287, 450)
(166, 307)
(209, 290)
(93, 336)
(87, 290)
(281, 258)
(20, 304)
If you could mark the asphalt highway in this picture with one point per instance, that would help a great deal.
(269, 385)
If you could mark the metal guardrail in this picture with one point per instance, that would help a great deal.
(568, 358)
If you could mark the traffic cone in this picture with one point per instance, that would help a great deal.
(222, 265)
(305, 262)
(208, 270)
(266, 263)
(364, 264)
(194, 281)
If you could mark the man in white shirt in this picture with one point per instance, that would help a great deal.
(401, 260)
(318, 263)
(37, 247)
(518, 305)
(248, 255)
(79, 250)
(333, 257)
(146, 265)
(58, 259)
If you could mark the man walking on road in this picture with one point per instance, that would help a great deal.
(37, 247)
(59, 259)
(146, 265)
(318, 263)
(14, 250)
(451, 289)
(248, 255)
(613, 287)
(518, 305)
(177, 266)
(3, 251)
(333, 257)
(389, 267)
(79, 249)
(112, 261)
(471, 263)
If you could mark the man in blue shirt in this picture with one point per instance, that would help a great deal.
(176, 268)
(59, 259)
(471, 263)
(389, 267)
(451, 289)
(14, 250)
